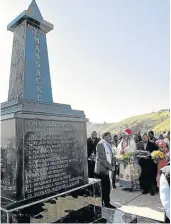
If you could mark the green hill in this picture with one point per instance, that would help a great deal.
(156, 121)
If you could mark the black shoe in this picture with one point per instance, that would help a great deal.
(110, 206)
(114, 186)
(145, 192)
(152, 192)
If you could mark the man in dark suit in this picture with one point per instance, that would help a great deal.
(148, 167)
(139, 136)
(115, 140)
(91, 148)
(103, 167)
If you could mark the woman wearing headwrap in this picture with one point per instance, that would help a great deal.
(129, 169)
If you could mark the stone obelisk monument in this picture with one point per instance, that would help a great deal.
(43, 144)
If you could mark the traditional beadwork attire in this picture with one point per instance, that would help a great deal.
(129, 168)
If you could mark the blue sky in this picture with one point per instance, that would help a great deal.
(109, 58)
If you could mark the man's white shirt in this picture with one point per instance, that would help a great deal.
(108, 151)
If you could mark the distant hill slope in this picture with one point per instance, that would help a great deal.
(156, 121)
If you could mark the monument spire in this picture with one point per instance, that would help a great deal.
(33, 11)
(30, 75)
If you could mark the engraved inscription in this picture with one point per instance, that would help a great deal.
(36, 30)
(37, 41)
(38, 79)
(54, 155)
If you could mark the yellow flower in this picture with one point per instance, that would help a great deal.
(157, 154)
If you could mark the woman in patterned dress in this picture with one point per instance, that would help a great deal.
(129, 168)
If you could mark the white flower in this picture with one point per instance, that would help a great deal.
(129, 149)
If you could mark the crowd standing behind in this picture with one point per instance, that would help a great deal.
(138, 161)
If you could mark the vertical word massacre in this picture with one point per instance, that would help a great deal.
(38, 74)
(37, 33)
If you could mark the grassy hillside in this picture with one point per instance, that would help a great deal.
(156, 121)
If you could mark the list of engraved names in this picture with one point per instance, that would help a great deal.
(49, 164)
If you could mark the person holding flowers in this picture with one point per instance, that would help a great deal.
(161, 156)
(129, 169)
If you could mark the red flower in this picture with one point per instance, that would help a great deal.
(122, 152)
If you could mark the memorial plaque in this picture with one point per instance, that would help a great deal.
(54, 156)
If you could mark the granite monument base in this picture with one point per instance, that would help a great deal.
(43, 150)
(79, 205)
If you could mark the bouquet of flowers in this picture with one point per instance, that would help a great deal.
(157, 156)
(126, 153)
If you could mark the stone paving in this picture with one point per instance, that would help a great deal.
(144, 206)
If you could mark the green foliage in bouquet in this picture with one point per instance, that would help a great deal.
(128, 155)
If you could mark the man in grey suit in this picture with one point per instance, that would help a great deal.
(104, 164)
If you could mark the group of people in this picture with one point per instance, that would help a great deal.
(129, 157)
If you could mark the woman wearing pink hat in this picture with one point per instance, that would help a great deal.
(129, 168)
